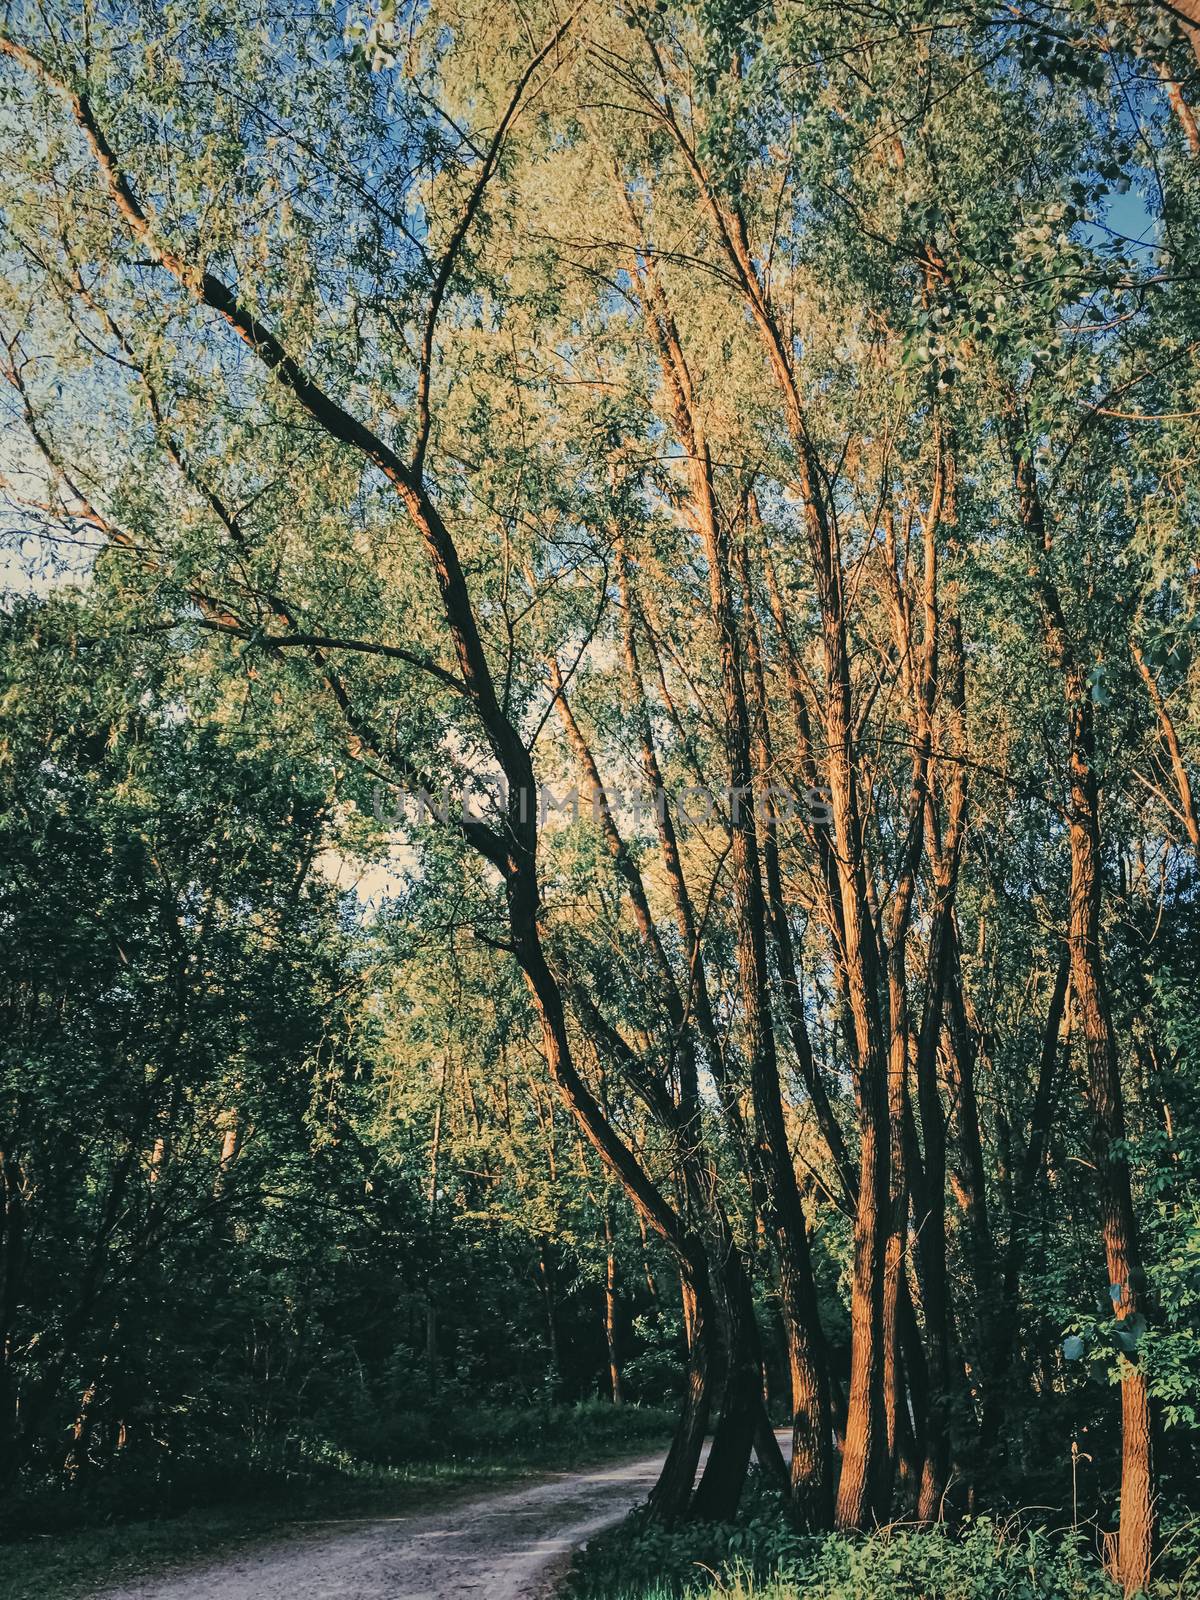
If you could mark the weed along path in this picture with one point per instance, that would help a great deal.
(505, 1546)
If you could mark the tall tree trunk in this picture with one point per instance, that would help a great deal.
(1180, 106)
(1183, 784)
(672, 1493)
(969, 1180)
(431, 1317)
(862, 1488)
(13, 1252)
(919, 674)
(770, 1151)
(1119, 1225)
(929, 1195)
(781, 933)
(720, 1486)
(610, 1305)
(1186, 13)
(1088, 986)
(546, 1283)
(996, 1393)
(901, 1339)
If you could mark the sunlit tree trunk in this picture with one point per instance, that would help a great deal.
(862, 1487)
(1179, 771)
(770, 1152)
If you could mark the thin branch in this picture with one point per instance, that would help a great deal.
(450, 258)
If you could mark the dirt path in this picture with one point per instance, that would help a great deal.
(502, 1547)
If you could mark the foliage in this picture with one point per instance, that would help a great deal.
(761, 1557)
(739, 403)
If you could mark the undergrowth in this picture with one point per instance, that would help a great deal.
(763, 1557)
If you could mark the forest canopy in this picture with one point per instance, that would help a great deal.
(599, 707)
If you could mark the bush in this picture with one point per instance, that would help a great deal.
(763, 1557)
(558, 1434)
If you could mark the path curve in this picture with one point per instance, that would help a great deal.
(504, 1546)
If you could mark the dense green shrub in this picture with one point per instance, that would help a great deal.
(764, 1557)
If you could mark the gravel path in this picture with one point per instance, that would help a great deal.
(502, 1547)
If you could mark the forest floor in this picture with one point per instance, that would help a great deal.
(506, 1546)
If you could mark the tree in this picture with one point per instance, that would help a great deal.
(689, 406)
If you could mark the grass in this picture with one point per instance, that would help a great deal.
(893, 1564)
(59, 1546)
(763, 1557)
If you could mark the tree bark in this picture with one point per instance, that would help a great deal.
(862, 1487)
(996, 1394)
(770, 1151)
(610, 1306)
(1183, 784)
(1089, 988)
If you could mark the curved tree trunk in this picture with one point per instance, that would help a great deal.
(672, 1494)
